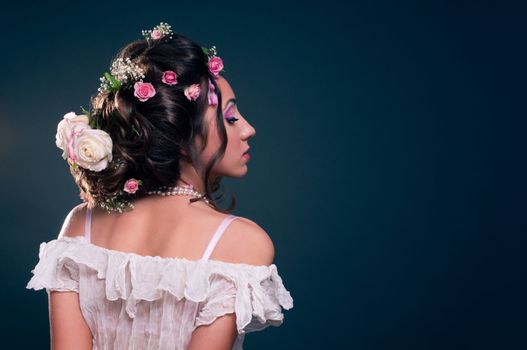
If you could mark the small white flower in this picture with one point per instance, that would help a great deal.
(124, 71)
(163, 29)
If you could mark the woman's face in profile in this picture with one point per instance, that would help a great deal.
(239, 131)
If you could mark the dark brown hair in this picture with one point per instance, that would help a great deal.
(149, 137)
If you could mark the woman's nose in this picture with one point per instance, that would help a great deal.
(248, 131)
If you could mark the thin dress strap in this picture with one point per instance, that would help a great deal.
(87, 225)
(217, 235)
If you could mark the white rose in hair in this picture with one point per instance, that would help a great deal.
(74, 118)
(65, 128)
(92, 149)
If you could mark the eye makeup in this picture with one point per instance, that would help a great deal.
(230, 118)
(231, 102)
(229, 106)
(228, 110)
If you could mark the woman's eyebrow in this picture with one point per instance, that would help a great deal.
(230, 102)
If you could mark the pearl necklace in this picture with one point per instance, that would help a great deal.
(178, 191)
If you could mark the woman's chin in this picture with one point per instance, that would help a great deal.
(240, 172)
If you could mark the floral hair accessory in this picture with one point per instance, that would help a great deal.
(215, 63)
(86, 146)
(144, 91)
(169, 77)
(213, 98)
(131, 185)
(81, 145)
(123, 71)
(192, 92)
(160, 31)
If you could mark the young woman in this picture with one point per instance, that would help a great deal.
(148, 260)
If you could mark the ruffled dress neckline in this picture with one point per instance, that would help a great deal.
(134, 277)
(81, 239)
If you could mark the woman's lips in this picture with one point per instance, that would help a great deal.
(246, 154)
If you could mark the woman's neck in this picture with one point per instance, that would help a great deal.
(189, 176)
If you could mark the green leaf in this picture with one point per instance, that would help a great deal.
(205, 50)
(135, 130)
(85, 111)
(116, 85)
(92, 122)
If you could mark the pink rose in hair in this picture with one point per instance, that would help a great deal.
(192, 92)
(169, 77)
(132, 185)
(156, 34)
(143, 91)
(215, 65)
(213, 98)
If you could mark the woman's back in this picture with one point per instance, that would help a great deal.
(171, 227)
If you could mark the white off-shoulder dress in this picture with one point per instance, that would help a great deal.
(131, 301)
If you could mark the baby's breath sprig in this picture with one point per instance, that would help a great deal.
(160, 31)
(210, 52)
(115, 202)
(122, 71)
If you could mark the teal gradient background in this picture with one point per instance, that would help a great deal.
(388, 164)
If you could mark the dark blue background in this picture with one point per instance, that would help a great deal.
(388, 165)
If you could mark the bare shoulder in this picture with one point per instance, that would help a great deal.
(74, 222)
(247, 242)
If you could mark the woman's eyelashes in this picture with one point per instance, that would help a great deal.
(231, 115)
(231, 120)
